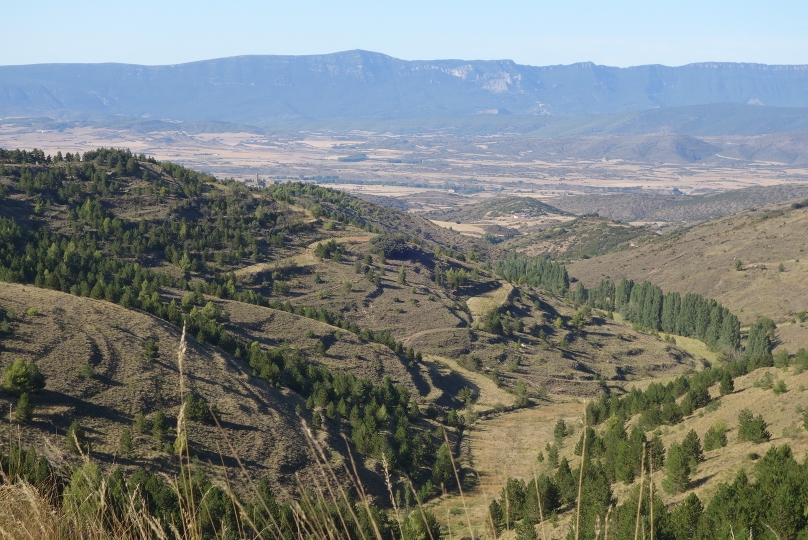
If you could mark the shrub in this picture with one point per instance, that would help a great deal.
(716, 436)
(766, 382)
(86, 371)
(150, 350)
(781, 358)
(32, 312)
(390, 246)
(23, 377)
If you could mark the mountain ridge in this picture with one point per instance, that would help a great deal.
(264, 89)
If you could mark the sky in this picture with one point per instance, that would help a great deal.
(609, 32)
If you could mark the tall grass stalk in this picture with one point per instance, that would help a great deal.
(580, 481)
(459, 487)
(538, 500)
(421, 508)
(188, 508)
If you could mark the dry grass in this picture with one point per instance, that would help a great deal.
(696, 348)
(506, 446)
(480, 305)
(489, 395)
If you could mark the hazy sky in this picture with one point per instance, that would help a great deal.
(612, 32)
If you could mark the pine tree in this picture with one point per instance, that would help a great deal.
(677, 469)
(526, 530)
(150, 350)
(23, 377)
(140, 423)
(684, 519)
(126, 443)
(752, 428)
(716, 436)
(159, 426)
(316, 420)
(559, 432)
(758, 345)
(656, 453)
(75, 439)
(25, 410)
(496, 518)
(727, 385)
(552, 455)
(402, 275)
(567, 485)
(513, 499)
(442, 470)
(692, 447)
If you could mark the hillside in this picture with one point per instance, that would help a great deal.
(532, 227)
(702, 259)
(300, 302)
(495, 208)
(648, 207)
(581, 238)
(505, 447)
(92, 353)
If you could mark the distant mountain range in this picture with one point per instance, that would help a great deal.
(356, 88)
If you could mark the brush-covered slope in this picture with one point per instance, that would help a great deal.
(581, 238)
(92, 353)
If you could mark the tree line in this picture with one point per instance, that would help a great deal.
(644, 304)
